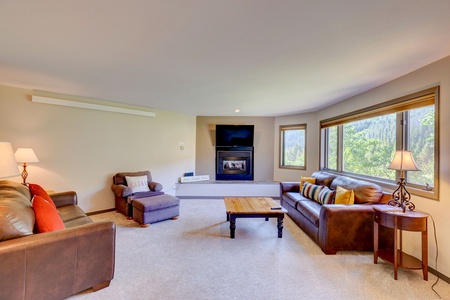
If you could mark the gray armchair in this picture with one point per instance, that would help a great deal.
(124, 195)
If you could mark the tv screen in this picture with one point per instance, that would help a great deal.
(234, 135)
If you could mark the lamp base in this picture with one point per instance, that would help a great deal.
(401, 197)
(24, 174)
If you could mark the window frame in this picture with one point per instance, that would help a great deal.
(399, 106)
(282, 130)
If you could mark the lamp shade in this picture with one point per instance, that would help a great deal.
(403, 161)
(26, 155)
(8, 164)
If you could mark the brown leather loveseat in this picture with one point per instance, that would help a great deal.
(337, 227)
(56, 264)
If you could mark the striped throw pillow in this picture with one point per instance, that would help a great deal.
(326, 196)
(311, 191)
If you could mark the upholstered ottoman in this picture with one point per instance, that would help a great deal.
(154, 209)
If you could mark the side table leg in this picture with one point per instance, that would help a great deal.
(232, 226)
(425, 254)
(280, 225)
(375, 242)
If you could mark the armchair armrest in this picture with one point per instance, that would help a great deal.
(64, 198)
(289, 187)
(121, 190)
(155, 186)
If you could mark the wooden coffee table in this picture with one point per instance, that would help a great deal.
(253, 207)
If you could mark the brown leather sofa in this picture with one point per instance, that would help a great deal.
(57, 264)
(337, 227)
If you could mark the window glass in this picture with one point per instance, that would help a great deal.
(421, 144)
(332, 148)
(293, 146)
(369, 146)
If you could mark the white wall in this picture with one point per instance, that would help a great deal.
(434, 74)
(263, 144)
(82, 149)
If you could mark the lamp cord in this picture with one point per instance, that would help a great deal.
(436, 260)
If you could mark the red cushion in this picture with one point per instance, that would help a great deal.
(37, 190)
(47, 217)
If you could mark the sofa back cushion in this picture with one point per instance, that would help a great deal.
(16, 215)
(365, 192)
(323, 178)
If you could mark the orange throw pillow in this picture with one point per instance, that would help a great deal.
(37, 190)
(47, 217)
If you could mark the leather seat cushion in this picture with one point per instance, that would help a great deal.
(310, 209)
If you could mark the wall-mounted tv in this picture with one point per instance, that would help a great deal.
(234, 135)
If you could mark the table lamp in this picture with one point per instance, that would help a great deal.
(403, 161)
(25, 155)
(8, 164)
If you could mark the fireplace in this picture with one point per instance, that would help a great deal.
(234, 163)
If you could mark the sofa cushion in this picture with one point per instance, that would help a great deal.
(73, 215)
(16, 215)
(293, 197)
(344, 196)
(324, 178)
(365, 192)
(311, 191)
(47, 217)
(311, 210)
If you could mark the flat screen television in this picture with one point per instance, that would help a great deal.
(234, 135)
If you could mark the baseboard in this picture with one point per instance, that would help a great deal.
(100, 211)
(439, 274)
(216, 197)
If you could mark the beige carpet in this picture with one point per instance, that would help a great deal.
(194, 258)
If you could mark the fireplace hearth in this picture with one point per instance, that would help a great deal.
(234, 163)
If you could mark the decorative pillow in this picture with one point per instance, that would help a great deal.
(304, 179)
(137, 183)
(311, 191)
(47, 217)
(37, 190)
(326, 196)
(344, 196)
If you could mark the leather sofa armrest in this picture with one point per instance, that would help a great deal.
(289, 187)
(64, 198)
(155, 186)
(84, 254)
(344, 227)
(121, 190)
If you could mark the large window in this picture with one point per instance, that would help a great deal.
(363, 143)
(293, 146)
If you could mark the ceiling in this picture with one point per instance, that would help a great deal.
(210, 57)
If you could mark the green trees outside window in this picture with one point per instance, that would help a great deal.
(293, 146)
(363, 143)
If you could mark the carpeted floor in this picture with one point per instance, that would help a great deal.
(194, 258)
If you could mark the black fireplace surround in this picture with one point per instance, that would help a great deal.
(234, 163)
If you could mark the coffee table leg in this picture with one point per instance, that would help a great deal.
(232, 226)
(280, 225)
